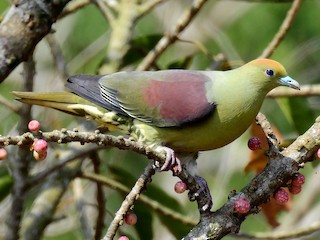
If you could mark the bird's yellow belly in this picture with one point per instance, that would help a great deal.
(212, 133)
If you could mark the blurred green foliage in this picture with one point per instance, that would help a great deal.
(248, 34)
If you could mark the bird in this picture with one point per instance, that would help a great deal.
(179, 112)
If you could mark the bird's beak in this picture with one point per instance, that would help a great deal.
(289, 82)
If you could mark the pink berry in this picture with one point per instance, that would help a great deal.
(40, 146)
(298, 180)
(34, 125)
(180, 187)
(3, 154)
(295, 189)
(254, 143)
(123, 238)
(130, 218)
(318, 153)
(39, 156)
(242, 205)
(281, 196)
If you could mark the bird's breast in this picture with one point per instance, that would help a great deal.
(213, 132)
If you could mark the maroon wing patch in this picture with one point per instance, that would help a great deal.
(181, 98)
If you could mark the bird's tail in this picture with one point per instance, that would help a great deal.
(75, 105)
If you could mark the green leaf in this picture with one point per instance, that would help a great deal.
(303, 117)
(297, 113)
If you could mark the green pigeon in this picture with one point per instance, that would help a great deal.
(180, 112)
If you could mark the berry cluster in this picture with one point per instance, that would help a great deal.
(294, 187)
(297, 181)
(39, 146)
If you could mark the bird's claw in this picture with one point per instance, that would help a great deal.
(204, 190)
(171, 162)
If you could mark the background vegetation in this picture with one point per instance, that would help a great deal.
(84, 40)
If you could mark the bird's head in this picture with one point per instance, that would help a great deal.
(268, 74)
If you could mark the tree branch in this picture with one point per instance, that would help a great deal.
(20, 162)
(293, 234)
(163, 210)
(170, 38)
(44, 206)
(129, 201)
(282, 166)
(25, 24)
(305, 91)
(286, 24)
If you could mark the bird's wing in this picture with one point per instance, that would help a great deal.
(162, 98)
(87, 86)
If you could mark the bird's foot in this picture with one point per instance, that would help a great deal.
(171, 162)
(203, 193)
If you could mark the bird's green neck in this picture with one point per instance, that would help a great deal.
(239, 99)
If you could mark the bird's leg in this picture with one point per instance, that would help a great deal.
(201, 192)
(204, 193)
(171, 160)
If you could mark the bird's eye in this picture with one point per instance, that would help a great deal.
(269, 72)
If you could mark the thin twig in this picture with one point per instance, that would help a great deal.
(57, 55)
(122, 26)
(41, 213)
(155, 205)
(67, 136)
(286, 24)
(170, 38)
(305, 91)
(9, 104)
(81, 208)
(38, 178)
(100, 198)
(149, 5)
(267, 128)
(129, 201)
(20, 163)
(107, 13)
(74, 6)
(292, 234)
